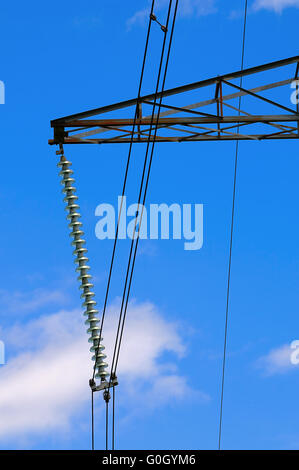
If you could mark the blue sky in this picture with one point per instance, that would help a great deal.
(59, 59)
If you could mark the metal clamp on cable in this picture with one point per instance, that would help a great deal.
(106, 396)
(104, 384)
(154, 18)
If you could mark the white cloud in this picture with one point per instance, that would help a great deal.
(45, 385)
(275, 5)
(138, 18)
(197, 7)
(168, 387)
(186, 8)
(28, 302)
(277, 361)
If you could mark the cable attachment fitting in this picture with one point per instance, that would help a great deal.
(92, 384)
(60, 151)
(106, 396)
(104, 384)
(154, 18)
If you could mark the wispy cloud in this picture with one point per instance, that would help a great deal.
(275, 5)
(138, 18)
(187, 8)
(277, 361)
(148, 248)
(44, 386)
(19, 302)
(197, 7)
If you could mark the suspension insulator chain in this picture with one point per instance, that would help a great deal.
(84, 278)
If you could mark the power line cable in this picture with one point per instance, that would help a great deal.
(113, 418)
(125, 180)
(116, 235)
(92, 420)
(152, 18)
(107, 423)
(231, 242)
(120, 327)
(146, 187)
(140, 192)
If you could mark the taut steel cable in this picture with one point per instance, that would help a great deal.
(126, 172)
(126, 295)
(231, 243)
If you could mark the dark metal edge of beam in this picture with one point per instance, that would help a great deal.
(253, 137)
(185, 120)
(180, 89)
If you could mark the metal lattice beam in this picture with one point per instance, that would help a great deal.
(205, 120)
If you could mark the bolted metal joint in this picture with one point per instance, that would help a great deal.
(104, 384)
(154, 18)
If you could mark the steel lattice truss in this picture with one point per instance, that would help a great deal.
(266, 112)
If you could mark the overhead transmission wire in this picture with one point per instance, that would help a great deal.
(126, 172)
(122, 315)
(120, 211)
(231, 240)
(92, 420)
(113, 374)
(146, 184)
(152, 18)
(131, 261)
(113, 418)
(107, 423)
